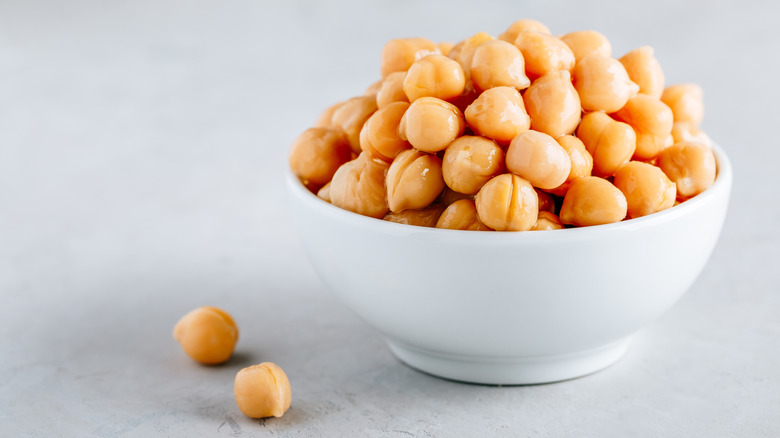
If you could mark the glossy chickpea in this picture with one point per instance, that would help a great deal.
(379, 135)
(425, 217)
(317, 153)
(586, 43)
(324, 192)
(392, 90)
(359, 186)
(602, 84)
(498, 113)
(688, 132)
(464, 52)
(461, 215)
(469, 162)
(262, 391)
(591, 200)
(510, 35)
(507, 203)
(609, 142)
(414, 181)
(431, 124)
(538, 158)
(350, 117)
(691, 166)
(646, 188)
(543, 53)
(435, 76)
(547, 221)
(581, 161)
(645, 71)
(498, 63)
(553, 104)
(400, 54)
(652, 120)
(685, 101)
(207, 334)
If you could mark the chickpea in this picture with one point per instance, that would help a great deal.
(553, 104)
(602, 84)
(498, 63)
(392, 90)
(593, 201)
(652, 120)
(646, 188)
(686, 102)
(445, 47)
(379, 135)
(431, 124)
(507, 203)
(586, 43)
(324, 192)
(373, 88)
(543, 53)
(461, 215)
(581, 162)
(359, 186)
(325, 120)
(465, 51)
(426, 217)
(688, 132)
(400, 54)
(262, 391)
(546, 201)
(645, 71)
(350, 117)
(498, 113)
(448, 196)
(691, 166)
(538, 158)
(547, 221)
(469, 162)
(609, 142)
(414, 181)
(207, 334)
(434, 76)
(510, 35)
(317, 153)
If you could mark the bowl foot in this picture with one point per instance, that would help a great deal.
(511, 370)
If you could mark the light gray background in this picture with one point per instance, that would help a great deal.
(142, 151)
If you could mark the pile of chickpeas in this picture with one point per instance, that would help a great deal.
(526, 131)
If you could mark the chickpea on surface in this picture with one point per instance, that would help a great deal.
(685, 101)
(645, 71)
(609, 142)
(359, 186)
(543, 53)
(400, 54)
(508, 203)
(350, 116)
(646, 188)
(431, 124)
(414, 181)
(461, 215)
(510, 35)
(547, 221)
(602, 84)
(593, 201)
(498, 63)
(538, 158)
(379, 135)
(434, 76)
(317, 153)
(652, 121)
(553, 104)
(691, 166)
(207, 334)
(425, 217)
(586, 43)
(262, 391)
(471, 161)
(581, 161)
(498, 113)
(392, 90)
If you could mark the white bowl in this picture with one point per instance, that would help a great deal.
(511, 308)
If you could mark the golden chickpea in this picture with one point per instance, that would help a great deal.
(448, 196)
(645, 71)
(379, 135)
(547, 221)
(434, 76)
(262, 391)
(586, 43)
(652, 120)
(498, 113)
(414, 181)
(469, 162)
(508, 203)
(359, 186)
(325, 120)
(426, 217)
(538, 158)
(581, 161)
(546, 201)
(688, 132)
(646, 188)
(461, 215)
(553, 104)
(498, 63)
(543, 53)
(602, 84)
(510, 35)
(400, 54)
(593, 201)
(207, 334)
(686, 102)
(317, 153)
(609, 142)
(691, 166)
(431, 124)
(324, 192)
(350, 117)
(392, 90)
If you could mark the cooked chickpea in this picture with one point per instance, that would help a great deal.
(445, 47)
(691, 166)
(507, 203)
(400, 54)
(645, 71)
(609, 142)
(581, 161)
(325, 120)
(324, 192)
(652, 120)
(685, 101)
(425, 217)
(414, 181)
(543, 53)
(379, 135)
(688, 132)
(464, 53)
(538, 158)
(510, 35)
(593, 201)
(498, 113)
(461, 215)
(431, 124)
(392, 90)
(350, 117)
(359, 186)
(602, 84)
(207, 334)
(646, 188)
(498, 63)
(373, 88)
(435, 76)
(553, 104)
(448, 196)
(317, 153)
(547, 221)
(469, 162)
(262, 391)
(546, 201)
(586, 43)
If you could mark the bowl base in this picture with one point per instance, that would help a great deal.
(524, 370)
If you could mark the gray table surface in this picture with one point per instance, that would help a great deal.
(142, 151)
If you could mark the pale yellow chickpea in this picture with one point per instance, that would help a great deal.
(414, 181)
(431, 124)
(546, 201)
(538, 158)
(602, 84)
(645, 71)
(435, 76)
(547, 221)
(691, 166)
(688, 132)
(325, 120)
(652, 120)
(324, 192)
(379, 135)
(392, 90)
(543, 53)
(591, 200)
(464, 52)
(350, 117)
(581, 161)
(207, 334)
(685, 101)
(262, 391)
(646, 188)
(510, 35)
(553, 104)
(469, 162)
(508, 203)
(400, 54)
(317, 153)
(609, 142)
(498, 63)
(461, 215)
(498, 113)
(359, 186)
(425, 217)
(584, 43)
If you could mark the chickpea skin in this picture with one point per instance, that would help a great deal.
(379, 135)
(609, 142)
(510, 35)
(646, 187)
(207, 334)
(508, 203)
(498, 63)
(602, 84)
(359, 186)
(581, 161)
(262, 391)
(586, 43)
(691, 166)
(593, 201)
(392, 90)
(538, 158)
(435, 76)
(469, 162)
(350, 117)
(543, 53)
(645, 71)
(317, 153)
(414, 181)
(425, 217)
(400, 54)
(547, 221)
(685, 101)
(461, 215)
(652, 120)
(431, 124)
(553, 104)
(498, 113)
